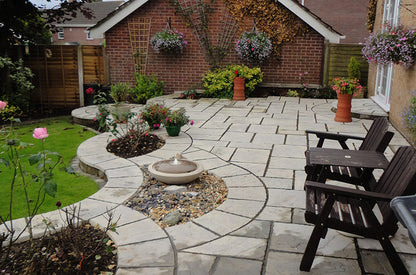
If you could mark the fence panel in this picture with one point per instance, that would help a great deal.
(339, 58)
(57, 80)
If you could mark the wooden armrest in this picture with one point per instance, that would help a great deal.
(327, 135)
(348, 192)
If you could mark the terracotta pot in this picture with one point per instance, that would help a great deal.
(239, 89)
(343, 113)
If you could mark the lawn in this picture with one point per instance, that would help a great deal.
(64, 138)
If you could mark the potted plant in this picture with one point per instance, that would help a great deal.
(120, 93)
(345, 88)
(175, 120)
(254, 47)
(154, 115)
(396, 45)
(168, 41)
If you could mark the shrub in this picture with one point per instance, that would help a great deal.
(154, 115)
(120, 92)
(146, 88)
(354, 69)
(15, 83)
(219, 83)
(409, 116)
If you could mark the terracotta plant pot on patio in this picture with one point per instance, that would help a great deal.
(343, 113)
(239, 88)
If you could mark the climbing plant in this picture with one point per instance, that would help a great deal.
(196, 13)
(371, 14)
(279, 23)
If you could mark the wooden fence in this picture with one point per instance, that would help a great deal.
(337, 58)
(60, 72)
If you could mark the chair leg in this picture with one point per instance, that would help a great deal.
(319, 231)
(310, 251)
(394, 258)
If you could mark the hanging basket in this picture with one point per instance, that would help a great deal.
(168, 41)
(254, 47)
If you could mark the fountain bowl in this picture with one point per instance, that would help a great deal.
(175, 171)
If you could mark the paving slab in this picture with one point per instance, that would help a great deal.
(249, 248)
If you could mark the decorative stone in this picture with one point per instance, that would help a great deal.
(174, 189)
(172, 218)
(192, 194)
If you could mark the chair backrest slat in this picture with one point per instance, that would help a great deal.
(399, 179)
(375, 136)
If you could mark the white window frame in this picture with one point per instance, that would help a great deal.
(384, 79)
(88, 35)
(61, 34)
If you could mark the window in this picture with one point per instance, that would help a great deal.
(60, 33)
(88, 35)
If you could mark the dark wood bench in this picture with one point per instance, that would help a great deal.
(351, 210)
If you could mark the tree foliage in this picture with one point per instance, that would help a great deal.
(22, 23)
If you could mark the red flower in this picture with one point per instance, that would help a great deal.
(236, 72)
(89, 91)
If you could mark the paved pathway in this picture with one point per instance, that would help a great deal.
(257, 147)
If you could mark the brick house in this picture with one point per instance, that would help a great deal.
(391, 86)
(129, 29)
(75, 31)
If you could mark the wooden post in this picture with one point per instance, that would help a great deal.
(80, 77)
(326, 64)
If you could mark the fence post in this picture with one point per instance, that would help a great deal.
(80, 77)
(326, 64)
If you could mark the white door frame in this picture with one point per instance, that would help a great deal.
(384, 77)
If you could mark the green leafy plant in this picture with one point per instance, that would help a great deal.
(154, 115)
(292, 93)
(120, 92)
(219, 83)
(346, 86)
(354, 70)
(45, 161)
(146, 88)
(190, 94)
(15, 83)
(177, 118)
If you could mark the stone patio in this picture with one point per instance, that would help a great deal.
(257, 147)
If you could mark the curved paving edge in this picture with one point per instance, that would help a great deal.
(141, 243)
(144, 247)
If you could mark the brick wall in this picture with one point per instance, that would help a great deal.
(186, 71)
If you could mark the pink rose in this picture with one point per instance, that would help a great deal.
(2, 105)
(40, 133)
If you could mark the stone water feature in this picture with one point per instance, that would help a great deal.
(176, 170)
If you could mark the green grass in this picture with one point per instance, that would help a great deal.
(64, 138)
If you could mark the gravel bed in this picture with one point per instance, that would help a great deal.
(161, 201)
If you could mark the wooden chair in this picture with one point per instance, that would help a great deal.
(377, 139)
(370, 142)
(351, 210)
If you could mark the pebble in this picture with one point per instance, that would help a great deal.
(172, 218)
(158, 200)
(176, 189)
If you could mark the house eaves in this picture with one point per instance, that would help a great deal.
(302, 12)
(313, 21)
(115, 17)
